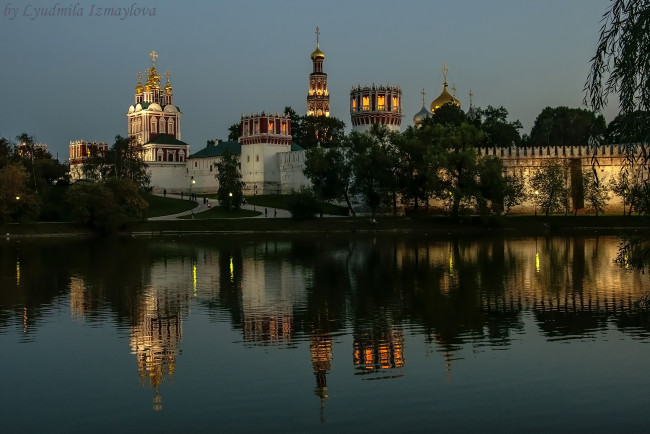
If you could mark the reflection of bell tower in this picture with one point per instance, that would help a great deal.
(320, 348)
(155, 340)
(318, 97)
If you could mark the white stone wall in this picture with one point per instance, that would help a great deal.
(291, 166)
(172, 177)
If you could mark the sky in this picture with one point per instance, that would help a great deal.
(66, 78)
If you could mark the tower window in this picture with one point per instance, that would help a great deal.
(366, 103)
(395, 103)
(354, 104)
(381, 102)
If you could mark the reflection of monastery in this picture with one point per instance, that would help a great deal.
(269, 159)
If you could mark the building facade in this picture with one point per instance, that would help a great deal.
(375, 105)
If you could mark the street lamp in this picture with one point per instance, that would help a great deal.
(536, 196)
(191, 184)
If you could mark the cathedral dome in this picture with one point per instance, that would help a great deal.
(317, 54)
(419, 117)
(444, 98)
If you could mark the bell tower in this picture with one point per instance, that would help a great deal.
(318, 97)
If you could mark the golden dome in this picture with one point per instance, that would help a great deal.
(444, 98)
(317, 54)
(139, 88)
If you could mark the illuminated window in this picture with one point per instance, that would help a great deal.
(365, 103)
(381, 102)
(354, 103)
(270, 126)
(284, 127)
(395, 103)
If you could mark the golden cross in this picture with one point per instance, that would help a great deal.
(317, 35)
(423, 93)
(444, 72)
(168, 74)
(154, 56)
(139, 76)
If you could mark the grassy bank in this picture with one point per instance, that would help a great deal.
(516, 225)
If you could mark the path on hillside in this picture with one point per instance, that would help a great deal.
(201, 207)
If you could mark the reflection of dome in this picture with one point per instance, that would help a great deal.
(444, 98)
(317, 54)
(419, 117)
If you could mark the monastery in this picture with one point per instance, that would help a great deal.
(271, 163)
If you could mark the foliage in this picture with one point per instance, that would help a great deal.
(17, 202)
(596, 192)
(549, 185)
(514, 193)
(455, 159)
(316, 131)
(124, 160)
(566, 126)
(448, 114)
(234, 131)
(303, 205)
(373, 163)
(629, 128)
(498, 130)
(230, 193)
(414, 168)
(491, 185)
(106, 206)
(330, 172)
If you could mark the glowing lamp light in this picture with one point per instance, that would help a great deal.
(17, 197)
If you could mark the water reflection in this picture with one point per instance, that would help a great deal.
(287, 291)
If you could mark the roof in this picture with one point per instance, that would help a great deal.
(218, 150)
(166, 139)
(295, 147)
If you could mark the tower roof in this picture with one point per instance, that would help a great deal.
(445, 97)
(317, 53)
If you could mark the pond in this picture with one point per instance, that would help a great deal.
(322, 333)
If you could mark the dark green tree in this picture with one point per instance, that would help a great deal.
(596, 192)
(17, 200)
(124, 160)
(514, 193)
(234, 131)
(549, 186)
(414, 168)
(498, 130)
(567, 126)
(330, 172)
(229, 193)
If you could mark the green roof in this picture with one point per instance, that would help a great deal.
(218, 150)
(295, 147)
(166, 139)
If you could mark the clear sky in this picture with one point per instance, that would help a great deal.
(68, 78)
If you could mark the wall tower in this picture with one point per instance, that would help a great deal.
(372, 105)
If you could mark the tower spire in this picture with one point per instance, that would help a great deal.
(423, 93)
(317, 36)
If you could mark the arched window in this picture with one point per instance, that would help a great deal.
(159, 155)
(170, 155)
(154, 125)
(170, 127)
(161, 125)
(181, 156)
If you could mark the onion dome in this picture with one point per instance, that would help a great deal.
(419, 117)
(317, 54)
(139, 88)
(444, 98)
(155, 78)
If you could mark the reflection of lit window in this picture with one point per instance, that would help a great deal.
(537, 262)
(366, 103)
(381, 102)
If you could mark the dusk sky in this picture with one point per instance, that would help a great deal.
(68, 78)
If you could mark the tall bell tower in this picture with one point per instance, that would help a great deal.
(318, 97)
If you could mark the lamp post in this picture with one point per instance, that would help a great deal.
(191, 184)
(536, 196)
(230, 201)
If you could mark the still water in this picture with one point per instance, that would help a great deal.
(383, 333)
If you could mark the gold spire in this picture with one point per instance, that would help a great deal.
(168, 86)
(147, 85)
(445, 97)
(138, 88)
(317, 54)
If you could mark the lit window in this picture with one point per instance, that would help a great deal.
(284, 127)
(366, 103)
(395, 103)
(354, 103)
(270, 126)
(381, 102)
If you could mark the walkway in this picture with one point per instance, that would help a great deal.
(201, 207)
